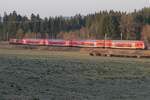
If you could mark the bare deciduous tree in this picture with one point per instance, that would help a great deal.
(146, 33)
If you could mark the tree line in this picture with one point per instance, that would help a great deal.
(104, 24)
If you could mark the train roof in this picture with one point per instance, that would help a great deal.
(86, 40)
(127, 41)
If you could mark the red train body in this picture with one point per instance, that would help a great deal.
(58, 43)
(82, 43)
(128, 44)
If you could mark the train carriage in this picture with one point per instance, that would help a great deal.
(34, 41)
(121, 44)
(125, 44)
(16, 41)
(74, 43)
(87, 43)
(104, 43)
(58, 43)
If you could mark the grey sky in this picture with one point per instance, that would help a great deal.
(68, 7)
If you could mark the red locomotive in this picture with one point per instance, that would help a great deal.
(82, 43)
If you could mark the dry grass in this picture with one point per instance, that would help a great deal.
(46, 75)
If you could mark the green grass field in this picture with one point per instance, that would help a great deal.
(46, 75)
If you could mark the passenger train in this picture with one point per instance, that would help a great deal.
(121, 44)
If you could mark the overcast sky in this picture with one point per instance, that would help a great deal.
(68, 7)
